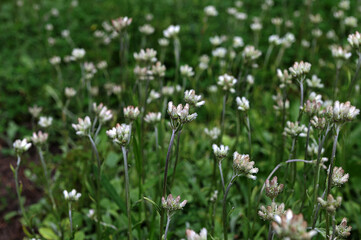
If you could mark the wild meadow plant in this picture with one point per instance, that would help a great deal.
(273, 88)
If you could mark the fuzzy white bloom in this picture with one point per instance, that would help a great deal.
(316, 33)
(69, 92)
(186, 71)
(250, 53)
(284, 77)
(192, 235)
(354, 40)
(171, 31)
(35, 111)
(217, 40)
(78, 53)
(210, 11)
(312, 149)
(163, 42)
(342, 112)
(168, 90)
(49, 27)
(274, 40)
(193, 99)
(243, 104)
(237, 42)
(102, 65)
(131, 113)
(314, 82)
(213, 133)
(72, 195)
(158, 69)
(153, 117)
(299, 69)
(203, 62)
(277, 21)
(351, 21)
(250, 79)
(45, 121)
(179, 114)
(219, 52)
(65, 33)
(153, 95)
(344, 4)
(147, 56)
(39, 138)
(102, 112)
(121, 23)
(83, 126)
(227, 82)
(21, 146)
(256, 26)
(287, 40)
(294, 129)
(340, 53)
(55, 60)
(220, 152)
(120, 134)
(143, 73)
(146, 29)
(243, 166)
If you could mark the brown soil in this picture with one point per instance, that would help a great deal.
(12, 229)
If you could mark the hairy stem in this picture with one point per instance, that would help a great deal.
(167, 227)
(224, 218)
(127, 193)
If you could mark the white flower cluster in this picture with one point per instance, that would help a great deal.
(72, 195)
(342, 112)
(243, 104)
(21, 146)
(192, 235)
(212, 133)
(227, 82)
(83, 126)
(179, 115)
(131, 113)
(193, 99)
(153, 117)
(299, 69)
(102, 112)
(120, 134)
(39, 138)
(354, 40)
(186, 71)
(171, 31)
(242, 165)
(146, 56)
(121, 23)
(220, 152)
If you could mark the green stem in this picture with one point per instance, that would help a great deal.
(224, 219)
(95, 150)
(70, 219)
(127, 193)
(351, 88)
(167, 227)
(176, 158)
(47, 179)
(165, 180)
(221, 173)
(223, 116)
(16, 173)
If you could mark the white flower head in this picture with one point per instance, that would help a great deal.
(69, 92)
(78, 53)
(83, 126)
(171, 31)
(220, 152)
(120, 134)
(21, 146)
(39, 138)
(243, 104)
(121, 23)
(35, 111)
(73, 195)
(131, 113)
(186, 71)
(193, 99)
(210, 11)
(227, 82)
(45, 122)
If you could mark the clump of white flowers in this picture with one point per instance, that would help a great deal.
(35, 111)
(83, 126)
(171, 31)
(146, 56)
(45, 121)
(339, 177)
(210, 11)
(192, 235)
(227, 82)
(268, 213)
(220, 152)
(243, 104)
(179, 115)
(354, 40)
(131, 113)
(158, 69)
(39, 138)
(342, 112)
(55, 60)
(250, 53)
(243, 166)
(21, 146)
(193, 99)
(314, 82)
(294, 129)
(146, 29)
(121, 23)
(73, 195)
(69, 92)
(212, 133)
(153, 117)
(173, 204)
(102, 113)
(186, 71)
(299, 69)
(120, 134)
(78, 53)
(290, 226)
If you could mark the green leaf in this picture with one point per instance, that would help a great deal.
(48, 233)
(79, 236)
(112, 193)
(10, 215)
(154, 204)
(112, 159)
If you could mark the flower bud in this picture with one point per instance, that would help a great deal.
(242, 165)
(21, 146)
(272, 188)
(330, 204)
